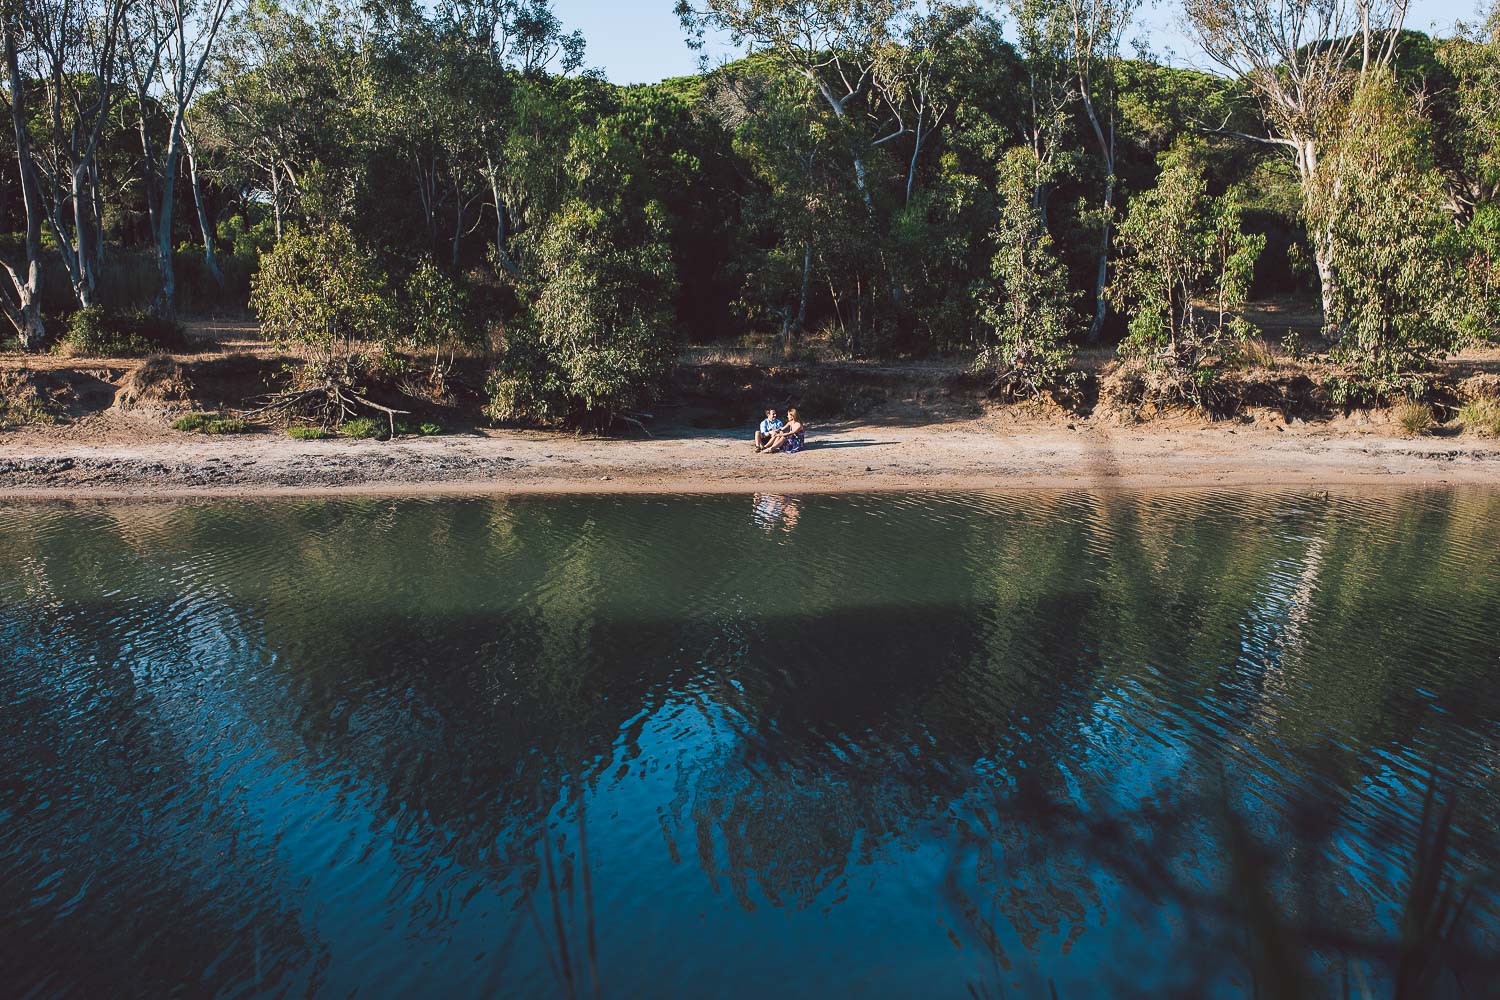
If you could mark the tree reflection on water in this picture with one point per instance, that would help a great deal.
(1114, 743)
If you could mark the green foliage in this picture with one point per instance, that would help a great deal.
(365, 428)
(323, 290)
(598, 338)
(435, 315)
(98, 332)
(1398, 297)
(1184, 266)
(306, 433)
(427, 428)
(210, 423)
(247, 240)
(1028, 304)
(843, 176)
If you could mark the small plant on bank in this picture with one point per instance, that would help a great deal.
(309, 433)
(364, 428)
(1292, 346)
(1415, 419)
(210, 423)
(435, 305)
(1481, 416)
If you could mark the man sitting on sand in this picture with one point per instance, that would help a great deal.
(767, 430)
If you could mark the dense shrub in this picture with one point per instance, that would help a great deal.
(324, 290)
(98, 332)
(599, 341)
(1399, 296)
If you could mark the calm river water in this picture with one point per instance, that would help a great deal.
(901, 745)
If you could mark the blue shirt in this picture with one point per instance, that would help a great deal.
(769, 426)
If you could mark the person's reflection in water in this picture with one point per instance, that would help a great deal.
(773, 510)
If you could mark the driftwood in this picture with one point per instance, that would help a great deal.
(636, 420)
(338, 403)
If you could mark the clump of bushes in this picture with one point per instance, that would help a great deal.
(1185, 265)
(1481, 416)
(1415, 419)
(597, 341)
(21, 401)
(210, 423)
(97, 332)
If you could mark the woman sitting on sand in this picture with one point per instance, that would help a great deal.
(790, 439)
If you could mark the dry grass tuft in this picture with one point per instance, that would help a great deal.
(1414, 419)
(1257, 353)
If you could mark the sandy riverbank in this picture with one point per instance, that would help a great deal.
(990, 452)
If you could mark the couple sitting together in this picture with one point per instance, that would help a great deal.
(773, 435)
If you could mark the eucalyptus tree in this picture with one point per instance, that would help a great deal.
(1302, 59)
(879, 70)
(427, 113)
(292, 106)
(1400, 290)
(1181, 246)
(776, 141)
(916, 77)
(1473, 136)
(1044, 36)
(24, 312)
(1468, 135)
(508, 45)
(1028, 306)
(73, 47)
(837, 46)
(168, 45)
(1097, 29)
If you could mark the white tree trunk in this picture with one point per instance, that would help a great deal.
(210, 256)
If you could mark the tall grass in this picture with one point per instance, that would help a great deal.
(1481, 416)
